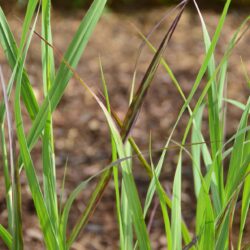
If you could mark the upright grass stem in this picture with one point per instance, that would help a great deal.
(16, 217)
(49, 166)
(8, 190)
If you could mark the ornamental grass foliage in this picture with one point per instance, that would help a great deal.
(221, 189)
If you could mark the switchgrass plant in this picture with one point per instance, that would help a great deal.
(220, 188)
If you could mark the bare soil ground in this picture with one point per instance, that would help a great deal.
(81, 134)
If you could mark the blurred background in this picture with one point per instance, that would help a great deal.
(81, 134)
(119, 3)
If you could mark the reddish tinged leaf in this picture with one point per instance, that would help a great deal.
(140, 95)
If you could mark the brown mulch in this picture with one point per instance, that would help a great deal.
(81, 133)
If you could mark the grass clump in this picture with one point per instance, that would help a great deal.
(217, 189)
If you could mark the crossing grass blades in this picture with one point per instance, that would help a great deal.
(217, 191)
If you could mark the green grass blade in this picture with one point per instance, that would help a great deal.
(204, 66)
(126, 214)
(95, 197)
(115, 168)
(178, 87)
(126, 221)
(89, 209)
(67, 207)
(66, 210)
(205, 151)
(118, 204)
(241, 174)
(202, 72)
(122, 227)
(49, 176)
(136, 149)
(208, 85)
(206, 62)
(6, 237)
(221, 88)
(245, 196)
(41, 209)
(9, 46)
(237, 153)
(202, 96)
(62, 190)
(32, 4)
(224, 232)
(64, 73)
(136, 210)
(49, 171)
(164, 210)
(151, 189)
(222, 238)
(129, 184)
(205, 221)
(246, 146)
(167, 200)
(47, 51)
(176, 208)
(207, 239)
(15, 216)
(215, 129)
(208, 54)
(196, 150)
(97, 193)
(228, 151)
(235, 103)
(7, 179)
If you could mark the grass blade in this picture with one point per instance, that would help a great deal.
(47, 51)
(160, 194)
(176, 208)
(205, 220)
(245, 197)
(88, 211)
(49, 171)
(6, 237)
(215, 129)
(137, 101)
(233, 42)
(41, 209)
(10, 49)
(222, 238)
(131, 191)
(196, 150)
(237, 153)
(115, 168)
(151, 68)
(16, 217)
(236, 103)
(64, 73)
(7, 179)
